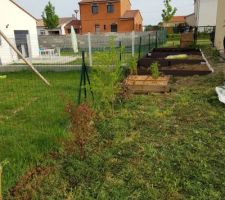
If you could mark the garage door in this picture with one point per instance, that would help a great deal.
(21, 42)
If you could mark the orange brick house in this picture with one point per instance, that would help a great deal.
(109, 16)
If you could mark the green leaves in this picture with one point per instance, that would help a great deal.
(168, 12)
(155, 70)
(51, 20)
(106, 79)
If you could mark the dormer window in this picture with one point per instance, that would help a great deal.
(94, 8)
(110, 8)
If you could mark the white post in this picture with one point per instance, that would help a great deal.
(90, 51)
(133, 43)
(29, 46)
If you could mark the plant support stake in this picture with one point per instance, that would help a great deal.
(24, 59)
(84, 78)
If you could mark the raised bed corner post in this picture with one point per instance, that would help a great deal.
(84, 78)
(139, 52)
(156, 39)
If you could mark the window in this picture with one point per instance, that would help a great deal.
(104, 27)
(95, 8)
(113, 27)
(42, 32)
(110, 8)
(97, 28)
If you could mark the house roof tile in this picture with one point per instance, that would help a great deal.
(129, 14)
(177, 19)
(62, 21)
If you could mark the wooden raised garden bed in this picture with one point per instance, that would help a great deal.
(194, 64)
(146, 84)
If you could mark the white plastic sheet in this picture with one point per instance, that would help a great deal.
(74, 40)
(221, 93)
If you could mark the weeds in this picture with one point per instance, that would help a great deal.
(4, 163)
(132, 64)
(155, 70)
(82, 126)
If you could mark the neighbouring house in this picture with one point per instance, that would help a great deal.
(64, 27)
(220, 26)
(20, 27)
(109, 16)
(190, 20)
(174, 22)
(205, 12)
(171, 25)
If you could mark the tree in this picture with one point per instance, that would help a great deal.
(168, 12)
(50, 18)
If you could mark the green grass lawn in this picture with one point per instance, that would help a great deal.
(158, 146)
(32, 119)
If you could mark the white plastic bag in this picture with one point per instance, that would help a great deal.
(221, 93)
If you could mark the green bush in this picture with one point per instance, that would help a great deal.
(155, 70)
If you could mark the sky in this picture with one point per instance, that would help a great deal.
(150, 9)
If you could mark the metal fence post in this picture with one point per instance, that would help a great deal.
(156, 39)
(133, 43)
(149, 47)
(90, 50)
(139, 55)
(120, 46)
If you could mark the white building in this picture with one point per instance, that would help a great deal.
(190, 20)
(63, 28)
(20, 27)
(220, 26)
(205, 12)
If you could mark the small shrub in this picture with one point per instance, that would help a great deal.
(82, 126)
(155, 70)
(106, 80)
(133, 66)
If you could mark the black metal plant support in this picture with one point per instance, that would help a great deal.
(84, 78)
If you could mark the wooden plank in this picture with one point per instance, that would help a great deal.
(24, 59)
(146, 84)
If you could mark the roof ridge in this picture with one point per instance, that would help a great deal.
(16, 4)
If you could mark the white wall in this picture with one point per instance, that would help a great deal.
(220, 27)
(206, 12)
(190, 20)
(16, 19)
